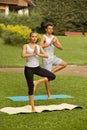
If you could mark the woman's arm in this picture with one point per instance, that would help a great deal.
(24, 54)
(43, 53)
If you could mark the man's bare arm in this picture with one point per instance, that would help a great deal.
(42, 43)
(58, 44)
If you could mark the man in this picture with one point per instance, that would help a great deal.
(48, 42)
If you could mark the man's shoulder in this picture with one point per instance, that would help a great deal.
(43, 37)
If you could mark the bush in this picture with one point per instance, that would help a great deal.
(1, 41)
(32, 21)
(20, 29)
(6, 36)
(15, 35)
(17, 39)
(13, 38)
(1, 30)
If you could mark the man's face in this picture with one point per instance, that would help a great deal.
(49, 29)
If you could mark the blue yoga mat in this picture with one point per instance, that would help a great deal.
(39, 97)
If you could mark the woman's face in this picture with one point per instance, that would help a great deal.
(33, 37)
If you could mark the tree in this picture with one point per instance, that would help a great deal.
(66, 15)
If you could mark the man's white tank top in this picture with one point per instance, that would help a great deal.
(33, 60)
(50, 49)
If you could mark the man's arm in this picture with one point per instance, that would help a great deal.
(42, 43)
(43, 53)
(58, 44)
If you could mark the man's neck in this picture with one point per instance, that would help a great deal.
(48, 35)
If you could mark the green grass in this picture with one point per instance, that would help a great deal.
(13, 84)
(10, 56)
(74, 52)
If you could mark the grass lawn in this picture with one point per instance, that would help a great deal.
(14, 84)
(74, 52)
(10, 56)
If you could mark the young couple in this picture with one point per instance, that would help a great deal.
(32, 51)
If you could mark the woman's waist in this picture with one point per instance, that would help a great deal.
(32, 64)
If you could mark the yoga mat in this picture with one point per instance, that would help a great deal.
(38, 97)
(39, 109)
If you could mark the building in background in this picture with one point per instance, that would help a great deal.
(19, 6)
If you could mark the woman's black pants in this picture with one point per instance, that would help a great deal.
(29, 75)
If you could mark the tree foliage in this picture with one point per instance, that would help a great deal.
(67, 15)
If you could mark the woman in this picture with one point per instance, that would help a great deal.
(31, 52)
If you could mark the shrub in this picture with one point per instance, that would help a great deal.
(6, 36)
(17, 39)
(22, 30)
(32, 21)
(1, 30)
(13, 38)
(15, 35)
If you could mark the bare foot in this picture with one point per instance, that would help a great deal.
(33, 110)
(49, 97)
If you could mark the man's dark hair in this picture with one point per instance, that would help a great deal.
(48, 24)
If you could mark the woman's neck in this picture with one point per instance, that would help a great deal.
(32, 43)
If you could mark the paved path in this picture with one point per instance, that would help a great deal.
(70, 69)
(75, 70)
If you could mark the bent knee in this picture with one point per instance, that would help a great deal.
(46, 79)
(54, 76)
(65, 64)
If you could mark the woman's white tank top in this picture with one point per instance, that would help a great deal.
(33, 60)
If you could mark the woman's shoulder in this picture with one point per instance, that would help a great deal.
(25, 45)
(37, 45)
